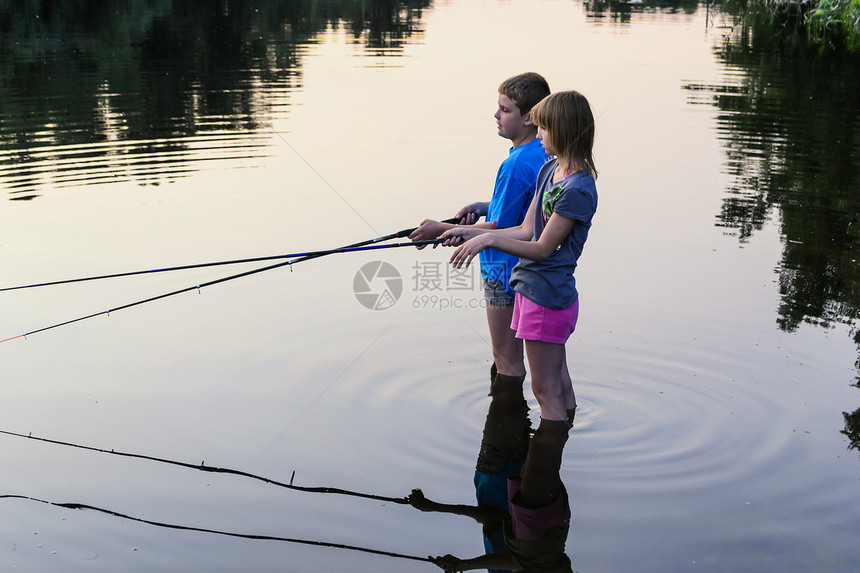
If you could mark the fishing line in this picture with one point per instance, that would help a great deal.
(323, 179)
(214, 469)
(320, 395)
(301, 257)
(216, 531)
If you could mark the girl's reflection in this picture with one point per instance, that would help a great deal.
(522, 503)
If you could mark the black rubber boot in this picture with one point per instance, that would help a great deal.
(571, 413)
(541, 481)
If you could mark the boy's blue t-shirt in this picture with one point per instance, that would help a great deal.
(512, 195)
(550, 282)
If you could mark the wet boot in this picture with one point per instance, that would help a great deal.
(493, 372)
(571, 413)
(541, 482)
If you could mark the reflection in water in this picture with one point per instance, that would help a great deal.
(145, 91)
(522, 503)
(215, 470)
(621, 12)
(219, 532)
(789, 122)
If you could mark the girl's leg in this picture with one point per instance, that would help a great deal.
(567, 385)
(507, 348)
(551, 383)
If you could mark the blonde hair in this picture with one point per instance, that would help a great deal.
(568, 122)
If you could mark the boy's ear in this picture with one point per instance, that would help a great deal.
(527, 120)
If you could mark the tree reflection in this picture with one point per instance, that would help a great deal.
(152, 72)
(789, 126)
(621, 12)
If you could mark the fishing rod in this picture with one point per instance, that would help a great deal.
(301, 257)
(304, 256)
(216, 531)
(214, 469)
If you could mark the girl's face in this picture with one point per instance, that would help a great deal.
(544, 137)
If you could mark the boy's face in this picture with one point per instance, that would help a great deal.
(511, 123)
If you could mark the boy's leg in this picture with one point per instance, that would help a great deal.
(551, 381)
(507, 348)
(507, 422)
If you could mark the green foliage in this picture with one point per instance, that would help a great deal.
(830, 25)
(788, 123)
(832, 22)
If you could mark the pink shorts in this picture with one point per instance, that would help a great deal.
(535, 322)
(532, 524)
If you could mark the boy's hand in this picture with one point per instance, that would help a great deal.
(470, 214)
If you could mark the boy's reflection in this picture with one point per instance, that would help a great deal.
(522, 503)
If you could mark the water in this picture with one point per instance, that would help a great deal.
(714, 361)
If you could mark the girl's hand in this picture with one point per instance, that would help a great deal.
(469, 250)
(418, 501)
(427, 230)
(458, 235)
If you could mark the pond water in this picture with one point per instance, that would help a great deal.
(715, 361)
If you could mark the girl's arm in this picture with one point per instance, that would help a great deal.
(430, 229)
(524, 231)
(468, 215)
(557, 228)
(483, 515)
(451, 564)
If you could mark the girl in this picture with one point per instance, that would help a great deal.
(548, 242)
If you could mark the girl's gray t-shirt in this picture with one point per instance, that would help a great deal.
(550, 282)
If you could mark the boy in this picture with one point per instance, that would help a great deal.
(512, 194)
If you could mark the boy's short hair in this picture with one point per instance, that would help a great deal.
(525, 90)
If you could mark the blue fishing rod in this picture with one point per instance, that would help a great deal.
(301, 257)
(293, 258)
(298, 256)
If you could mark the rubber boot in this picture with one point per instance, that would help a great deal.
(493, 372)
(571, 413)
